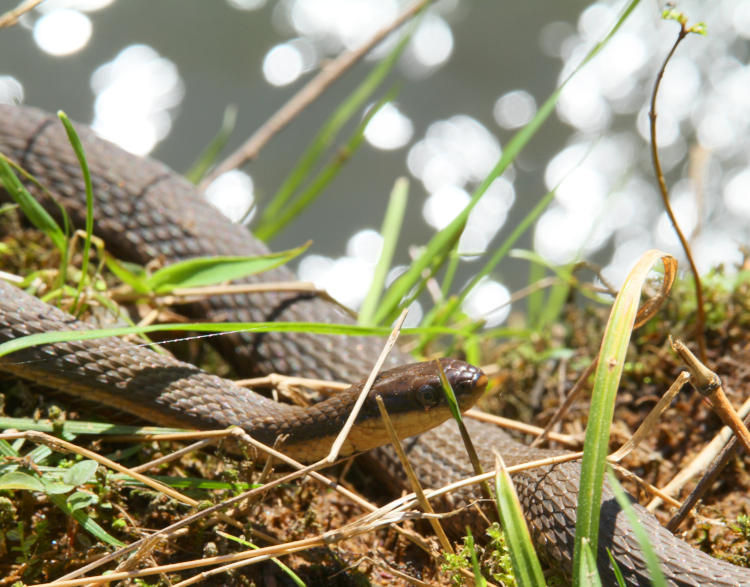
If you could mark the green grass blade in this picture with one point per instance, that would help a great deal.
(526, 566)
(75, 142)
(617, 571)
(88, 524)
(451, 306)
(82, 428)
(441, 242)
(394, 218)
(590, 572)
(652, 562)
(209, 155)
(31, 340)
(272, 226)
(606, 380)
(289, 572)
(203, 271)
(328, 132)
(129, 273)
(33, 210)
(479, 580)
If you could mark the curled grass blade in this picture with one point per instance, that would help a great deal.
(606, 380)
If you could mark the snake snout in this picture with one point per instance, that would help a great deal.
(468, 382)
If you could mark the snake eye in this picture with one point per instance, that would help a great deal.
(428, 396)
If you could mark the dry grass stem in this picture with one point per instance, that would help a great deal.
(650, 422)
(284, 382)
(572, 396)
(241, 435)
(716, 466)
(341, 438)
(174, 455)
(652, 489)
(63, 445)
(366, 524)
(413, 480)
(10, 18)
(564, 439)
(701, 461)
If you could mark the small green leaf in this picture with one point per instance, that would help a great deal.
(86, 521)
(81, 499)
(129, 273)
(80, 473)
(19, 480)
(53, 487)
(212, 270)
(33, 210)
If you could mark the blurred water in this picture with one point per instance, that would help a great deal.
(156, 77)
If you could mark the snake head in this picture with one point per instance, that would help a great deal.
(414, 398)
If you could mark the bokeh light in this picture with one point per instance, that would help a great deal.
(135, 95)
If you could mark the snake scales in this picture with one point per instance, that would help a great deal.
(146, 211)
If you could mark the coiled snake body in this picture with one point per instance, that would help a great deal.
(146, 211)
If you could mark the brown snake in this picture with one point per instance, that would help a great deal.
(145, 211)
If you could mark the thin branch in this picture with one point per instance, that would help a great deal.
(701, 313)
(310, 92)
(10, 18)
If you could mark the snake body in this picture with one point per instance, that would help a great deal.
(145, 211)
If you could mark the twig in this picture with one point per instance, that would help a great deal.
(705, 461)
(300, 471)
(311, 91)
(701, 313)
(572, 396)
(708, 384)
(716, 466)
(10, 18)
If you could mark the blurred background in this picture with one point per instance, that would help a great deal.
(156, 78)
